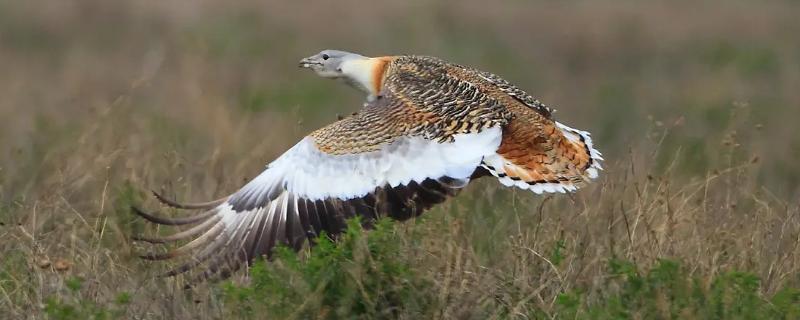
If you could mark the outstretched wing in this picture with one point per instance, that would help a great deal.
(374, 163)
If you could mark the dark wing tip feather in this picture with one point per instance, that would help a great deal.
(199, 205)
(186, 234)
(154, 256)
(171, 221)
(148, 239)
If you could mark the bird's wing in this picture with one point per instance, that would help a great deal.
(515, 92)
(433, 86)
(431, 81)
(374, 163)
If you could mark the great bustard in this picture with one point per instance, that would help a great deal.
(428, 128)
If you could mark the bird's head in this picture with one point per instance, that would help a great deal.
(363, 73)
(329, 63)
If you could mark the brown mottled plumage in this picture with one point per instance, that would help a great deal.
(428, 127)
(533, 149)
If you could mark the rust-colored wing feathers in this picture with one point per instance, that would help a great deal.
(542, 156)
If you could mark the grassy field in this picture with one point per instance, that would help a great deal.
(694, 104)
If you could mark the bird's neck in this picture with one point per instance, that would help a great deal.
(366, 74)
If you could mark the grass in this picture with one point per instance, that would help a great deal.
(696, 215)
(73, 306)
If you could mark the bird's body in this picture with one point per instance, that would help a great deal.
(428, 127)
(440, 99)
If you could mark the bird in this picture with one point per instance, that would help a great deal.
(427, 128)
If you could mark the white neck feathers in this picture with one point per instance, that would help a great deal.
(365, 74)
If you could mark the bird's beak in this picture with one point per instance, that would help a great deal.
(308, 62)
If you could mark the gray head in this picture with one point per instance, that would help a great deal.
(328, 63)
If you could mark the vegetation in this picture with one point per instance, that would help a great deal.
(360, 276)
(695, 216)
(79, 308)
(363, 277)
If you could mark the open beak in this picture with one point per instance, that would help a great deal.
(308, 62)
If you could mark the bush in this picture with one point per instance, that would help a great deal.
(667, 291)
(362, 275)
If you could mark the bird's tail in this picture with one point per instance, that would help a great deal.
(563, 162)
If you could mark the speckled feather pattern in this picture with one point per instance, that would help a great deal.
(420, 97)
(430, 97)
(375, 125)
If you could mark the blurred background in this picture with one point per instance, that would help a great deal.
(101, 101)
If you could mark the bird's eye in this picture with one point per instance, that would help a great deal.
(325, 57)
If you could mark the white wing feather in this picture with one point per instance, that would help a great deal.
(311, 174)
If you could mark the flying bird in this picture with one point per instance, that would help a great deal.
(428, 127)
